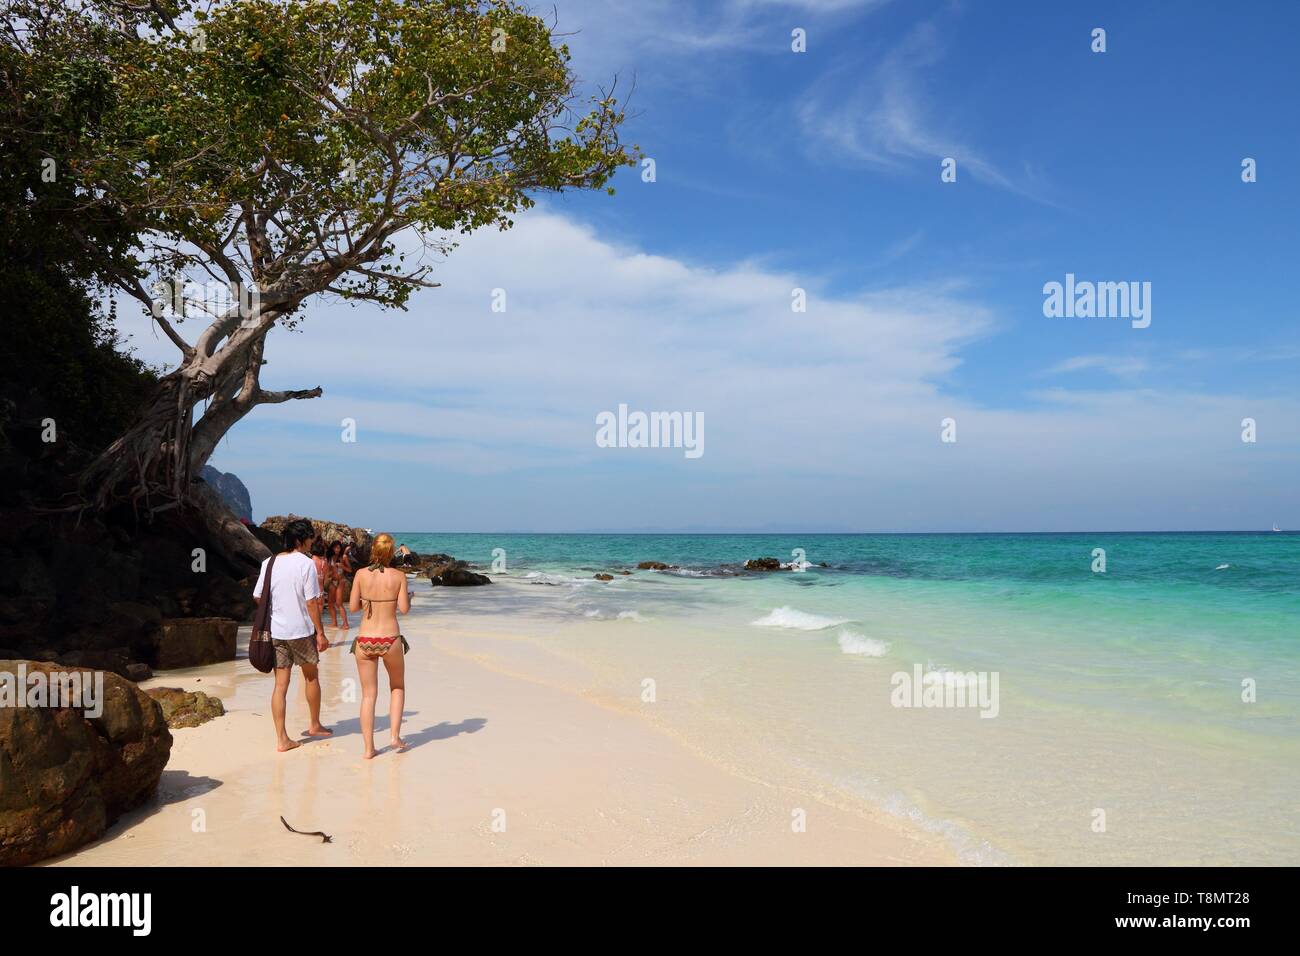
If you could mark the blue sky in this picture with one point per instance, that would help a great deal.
(821, 170)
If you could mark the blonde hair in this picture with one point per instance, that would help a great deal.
(381, 550)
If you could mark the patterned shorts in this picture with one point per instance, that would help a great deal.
(299, 651)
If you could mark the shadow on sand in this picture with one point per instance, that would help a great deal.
(177, 785)
(442, 731)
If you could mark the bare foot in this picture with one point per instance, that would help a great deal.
(319, 732)
(399, 744)
(287, 744)
(369, 754)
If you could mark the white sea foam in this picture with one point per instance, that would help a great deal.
(969, 849)
(1222, 567)
(541, 577)
(852, 642)
(799, 620)
(603, 615)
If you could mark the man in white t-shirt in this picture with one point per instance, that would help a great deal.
(296, 631)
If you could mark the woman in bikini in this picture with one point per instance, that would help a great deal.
(340, 568)
(380, 593)
(322, 571)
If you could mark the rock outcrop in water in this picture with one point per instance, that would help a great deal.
(455, 573)
(64, 777)
(762, 564)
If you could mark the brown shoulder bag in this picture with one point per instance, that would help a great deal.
(261, 652)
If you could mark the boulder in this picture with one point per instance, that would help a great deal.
(762, 564)
(220, 596)
(64, 777)
(653, 566)
(118, 660)
(456, 574)
(192, 641)
(326, 531)
(136, 671)
(603, 577)
(183, 708)
(274, 541)
(430, 564)
(131, 623)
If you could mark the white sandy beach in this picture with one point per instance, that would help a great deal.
(506, 766)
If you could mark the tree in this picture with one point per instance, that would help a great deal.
(60, 347)
(278, 149)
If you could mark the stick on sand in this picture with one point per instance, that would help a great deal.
(324, 837)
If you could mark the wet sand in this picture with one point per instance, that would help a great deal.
(505, 766)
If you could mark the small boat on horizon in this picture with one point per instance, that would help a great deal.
(1275, 527)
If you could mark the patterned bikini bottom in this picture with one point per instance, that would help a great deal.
(378, 646)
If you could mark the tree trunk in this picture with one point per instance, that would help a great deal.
(143, 463)
(158, 458)
(232, 540)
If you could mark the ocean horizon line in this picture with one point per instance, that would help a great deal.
(831, 534)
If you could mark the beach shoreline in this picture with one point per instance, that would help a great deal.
(507, 765)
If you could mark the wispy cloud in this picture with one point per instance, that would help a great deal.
(1277, 353)
(1123, 366)
(888, 120)
(636, 35)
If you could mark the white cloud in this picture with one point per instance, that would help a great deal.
(886, 120)
(826, 418)
(1119, 365)
(609, 36)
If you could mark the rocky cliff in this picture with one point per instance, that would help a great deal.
(232, 491)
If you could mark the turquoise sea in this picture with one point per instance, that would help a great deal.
(1147, 713)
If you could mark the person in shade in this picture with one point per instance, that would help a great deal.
(379, 593)
(296, 631)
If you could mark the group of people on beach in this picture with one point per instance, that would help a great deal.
(335, 562)
(307, 577)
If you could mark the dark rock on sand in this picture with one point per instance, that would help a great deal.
(603, 577)
(456, 574)
(65, 778)
(136, 671)
(232, 491)
(192, 641)
(115, 660)
(653, 566)
(762, 564)
(182, 708)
